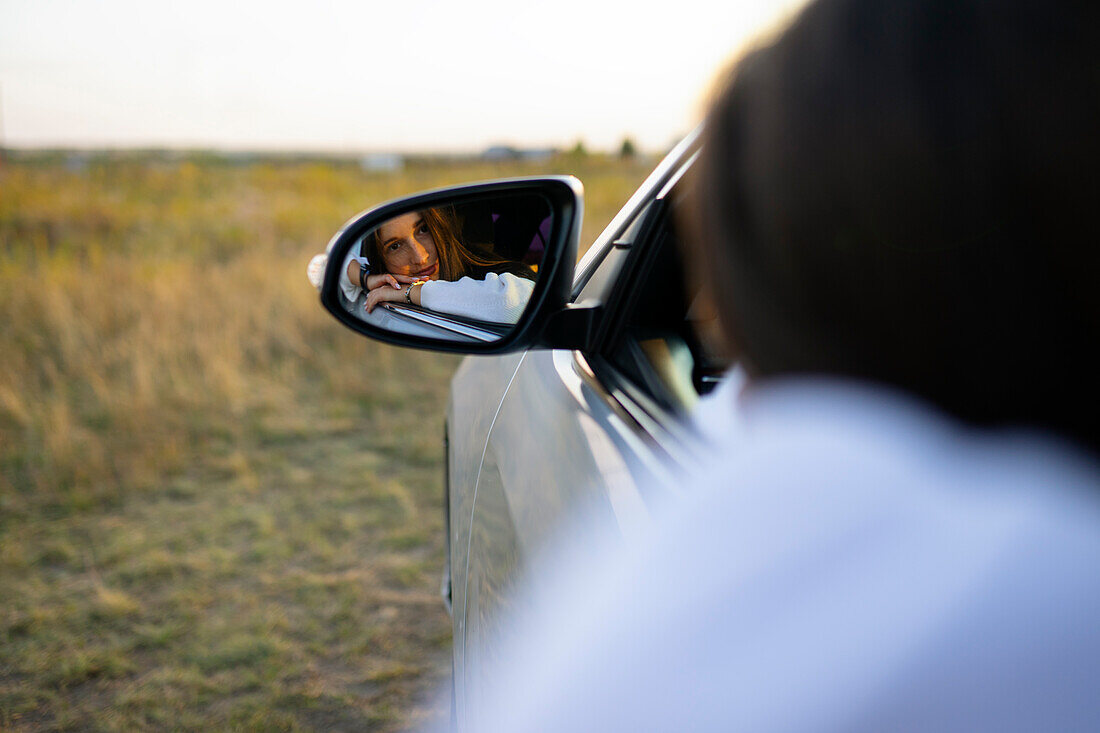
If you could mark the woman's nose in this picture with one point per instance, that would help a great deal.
(419, 251)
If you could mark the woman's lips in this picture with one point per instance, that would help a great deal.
(427, 271)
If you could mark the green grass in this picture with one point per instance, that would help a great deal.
(219, 509)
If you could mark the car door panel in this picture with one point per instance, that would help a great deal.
(477, 389)
(545, 437)
(526, 489)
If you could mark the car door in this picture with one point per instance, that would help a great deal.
(586, 428)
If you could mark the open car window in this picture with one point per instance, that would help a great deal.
(450, 324)
(417, 321)
(664, 336)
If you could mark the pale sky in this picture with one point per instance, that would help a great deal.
(368, 75)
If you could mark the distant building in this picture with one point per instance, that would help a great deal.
(507, 152)
(500, 152)
(382, 162)
(538, 154)
(76, 161)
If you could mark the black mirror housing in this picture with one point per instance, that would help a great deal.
(560, 196)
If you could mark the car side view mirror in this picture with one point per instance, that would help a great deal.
(478, 268)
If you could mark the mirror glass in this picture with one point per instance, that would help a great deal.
(457, 271)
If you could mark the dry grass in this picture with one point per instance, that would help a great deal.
(218, 508)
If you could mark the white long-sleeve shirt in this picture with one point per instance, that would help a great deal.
(498, 298)
(844, 560)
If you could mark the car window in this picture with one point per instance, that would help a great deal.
(661, 335)
(608, 270)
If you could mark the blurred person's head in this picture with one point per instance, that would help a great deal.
(904, 191)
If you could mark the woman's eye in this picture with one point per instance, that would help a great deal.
(394, 247)
(423, 229)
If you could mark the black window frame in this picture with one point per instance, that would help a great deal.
(646, 397)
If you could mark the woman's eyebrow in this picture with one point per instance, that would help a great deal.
(416, 225)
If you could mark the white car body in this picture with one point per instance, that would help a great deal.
(534, 435)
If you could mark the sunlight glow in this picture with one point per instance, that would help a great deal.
(421, 75)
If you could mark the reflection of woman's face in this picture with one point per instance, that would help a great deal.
(407, 247)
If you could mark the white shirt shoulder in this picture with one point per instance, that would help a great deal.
(845, 561)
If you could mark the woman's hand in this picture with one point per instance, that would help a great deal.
(390, 295)
(396, 281)
(377, 281)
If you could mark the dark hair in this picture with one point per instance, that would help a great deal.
(456, 259)
(905, 191)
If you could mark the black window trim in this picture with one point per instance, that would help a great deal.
(654, 187)
(665, 426)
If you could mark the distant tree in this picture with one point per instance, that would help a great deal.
(578, 150)
(628, 149)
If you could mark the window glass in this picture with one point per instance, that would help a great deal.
(610, 267)
(666, 341)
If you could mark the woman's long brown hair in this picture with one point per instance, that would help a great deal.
(456, 260)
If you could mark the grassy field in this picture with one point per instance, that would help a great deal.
(218, 508)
